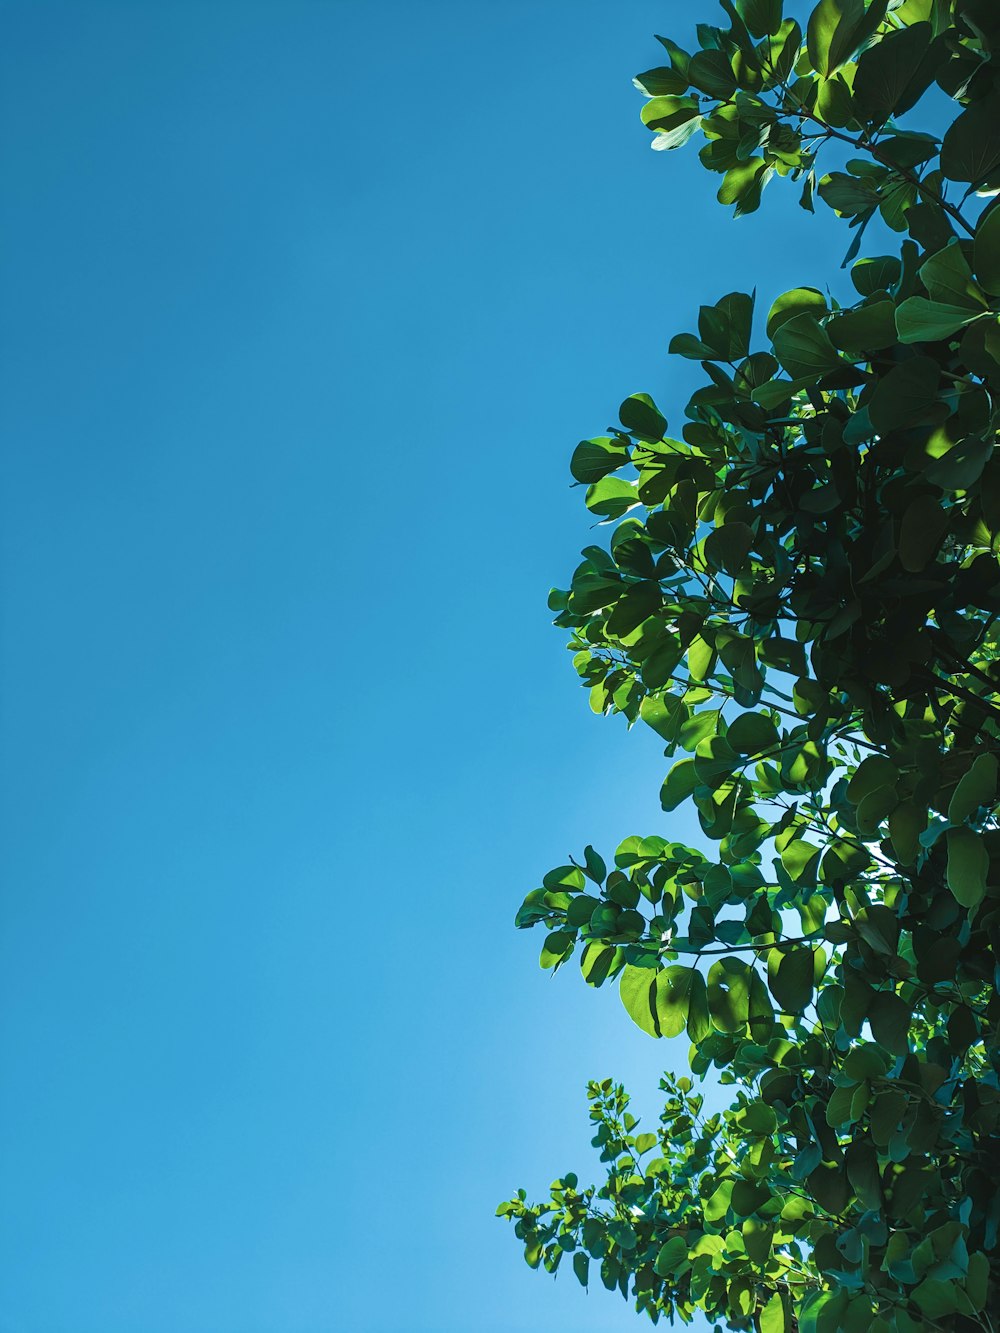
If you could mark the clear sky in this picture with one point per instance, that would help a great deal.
(304, 307)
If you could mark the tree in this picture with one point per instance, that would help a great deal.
(801, 595)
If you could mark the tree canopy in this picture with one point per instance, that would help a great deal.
(800, 595)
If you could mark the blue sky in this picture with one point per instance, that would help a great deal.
(304, 307)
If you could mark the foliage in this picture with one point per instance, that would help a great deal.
(800, 596)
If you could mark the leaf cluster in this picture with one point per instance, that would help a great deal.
(800, 596)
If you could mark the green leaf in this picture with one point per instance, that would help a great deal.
(665, 114)
(889, 1018)
(830, 31)
(594, 866)
(581, 1267)
(865, 1062)
(673, 991)
(923, 527)
(597, 962)
(680, 782)
(717, 1205)
(935, 1298)
(725, 326)
(658, 670)
(611, 497)
(637, 604)
(968, 866)
(762, 17)
(557, 945)
(906, 823)
(701, 658)
(687, 345)
(752, 733)
(742, 186)
(699, 1021)
(906, 396)
(727, 548)
(639, 415)
(885, 70)
(594, 459)
(960, 466)
(712, 72)
(875, 275)
(760, 1011)
(790, 977)
(664, 81)
(986, 253)
(729, 994)
(637, 988)
(804, 348)
(800, 300)
(834, 104)
(784, 52)
(801, 859)
(785, 654)
(919, 320)
(971, 147)
(623, 1233)
(948, 279)
(850, 196)
(678, 136)
(976, 788)
(569, 878)
(665, 714)
(759, 1118)
(772, 1316)
(866, 329)
(581, 909)
(671, 1255)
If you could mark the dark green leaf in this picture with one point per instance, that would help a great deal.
(866, 329)
(924, 525)
(790, 978)
(555, 948)
(804, 348)
(971, 148)
(875, 275)
(594, 459)
(919, 320)
(948, 279)
(712, 72)
(680, 782)
(639, 415)
(977, 788)
(885, 70)
(729, 994)
(889, 1018)
(671, 1254)
(968, 866)
(752, 733)
(742, 186)
(762, 17)
(664, 81)
(673, 991)
(906, 396)
(699, 1022)
(986, 255)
